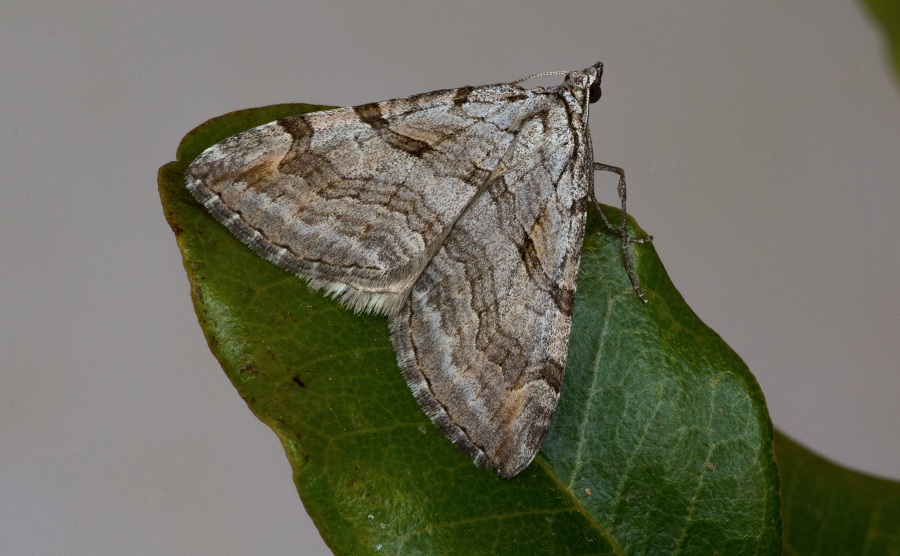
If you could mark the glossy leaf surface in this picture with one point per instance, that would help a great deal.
(662, 442)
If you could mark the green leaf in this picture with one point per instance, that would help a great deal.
(829, 509)
(662, 442)
(887, 14)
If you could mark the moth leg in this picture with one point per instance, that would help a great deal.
(622, 231)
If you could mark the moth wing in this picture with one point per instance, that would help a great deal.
(483, 338)
(357, 200)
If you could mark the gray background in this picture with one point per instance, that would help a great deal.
(761, 147)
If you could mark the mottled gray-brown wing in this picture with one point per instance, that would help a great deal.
(357, 200)
(483, 338)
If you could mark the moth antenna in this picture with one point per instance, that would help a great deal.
(542, 74)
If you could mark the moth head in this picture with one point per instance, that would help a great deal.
(587, 80)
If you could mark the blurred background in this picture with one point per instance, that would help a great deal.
(760, 142)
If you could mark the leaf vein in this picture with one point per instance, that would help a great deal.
(589, 403)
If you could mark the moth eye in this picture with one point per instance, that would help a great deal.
(594, 92)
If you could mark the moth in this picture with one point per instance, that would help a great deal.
(459, 214)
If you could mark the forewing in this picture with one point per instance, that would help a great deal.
(357, 200)
(483, 337)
